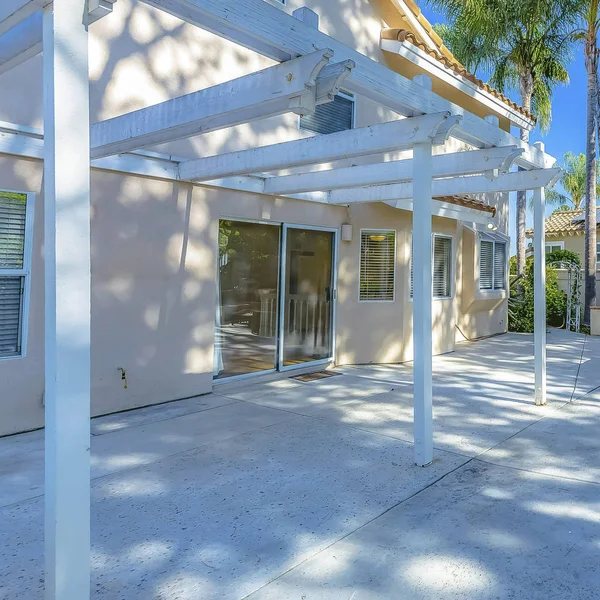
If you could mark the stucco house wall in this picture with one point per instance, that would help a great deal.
(154, 242)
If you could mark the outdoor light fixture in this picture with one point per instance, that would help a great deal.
(492, 226)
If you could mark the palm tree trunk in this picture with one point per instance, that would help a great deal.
(591, 62)
(526, 90)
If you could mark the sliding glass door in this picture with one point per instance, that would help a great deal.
(307, 297)
(246, 324)
(275, 297)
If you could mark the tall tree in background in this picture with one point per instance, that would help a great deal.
(588, 12)
(522, 44)
(573, 181)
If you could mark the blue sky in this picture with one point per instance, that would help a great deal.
(567, 131)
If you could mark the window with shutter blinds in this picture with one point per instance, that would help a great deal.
(499, 265)
(14, 271)
(442, 267)
(492, 265)
(486, 265)
(331, 117)
(377, 265)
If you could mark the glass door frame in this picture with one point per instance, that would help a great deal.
(274, 369)
(282, 273)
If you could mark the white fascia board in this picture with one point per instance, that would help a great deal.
(286, 87)
(21, 42)
(270, 31)
(438, 70)
(476, 184)
(374, 139)
(444, 165)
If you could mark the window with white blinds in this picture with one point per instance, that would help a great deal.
(377, 265)
(331, 116)
(442, 252)
(442, 267)
(492, 265)
(14, 271)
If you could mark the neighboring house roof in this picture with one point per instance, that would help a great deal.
(564, 222)
(446, 58)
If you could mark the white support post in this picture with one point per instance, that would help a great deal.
(422, 269)
(539, 287)
(67, 296)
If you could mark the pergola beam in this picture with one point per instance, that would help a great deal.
(290, 86)
(21, 37)
(455, 186)
(455, 164)
(268, 30)
(21, 42)
(374, 139)
(12, 12)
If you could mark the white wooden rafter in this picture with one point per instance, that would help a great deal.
(293, 86)
(21, 37)
(452, 186)
(12, 12)
(269, 31)
(444, 165)
(318, 149)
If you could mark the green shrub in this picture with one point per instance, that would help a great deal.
(521, 302)
(563, 256)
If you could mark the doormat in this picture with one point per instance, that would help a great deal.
(308, 377)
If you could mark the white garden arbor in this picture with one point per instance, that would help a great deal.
(313, 66)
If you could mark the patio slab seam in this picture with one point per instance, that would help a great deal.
(361, 526)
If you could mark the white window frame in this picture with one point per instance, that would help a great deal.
(24, 273)
(561, 244)
(597, 252)
(452, 274)
(343, 94)
(376, 230)
(492, 292)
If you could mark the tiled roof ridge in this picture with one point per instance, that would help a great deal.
(403, 35)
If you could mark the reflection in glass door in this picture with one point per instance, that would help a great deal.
(307, 296)
(247, 298)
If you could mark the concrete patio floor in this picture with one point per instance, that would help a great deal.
(308, 491)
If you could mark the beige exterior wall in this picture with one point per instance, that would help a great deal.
(154, 242)
(154, 254)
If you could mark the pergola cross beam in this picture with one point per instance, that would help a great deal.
(290, 86)
(452, 186)
(373, 139)
(449, 164)
(269, 31)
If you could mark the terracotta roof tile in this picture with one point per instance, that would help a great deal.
(564, 222)
(468, 202)
(402, 35)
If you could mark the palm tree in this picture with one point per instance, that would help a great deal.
(573, 181)
(523, 44)
(589, 15)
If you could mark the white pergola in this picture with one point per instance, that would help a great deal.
(312, 68)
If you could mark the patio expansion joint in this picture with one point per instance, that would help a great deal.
(368, 522)
(476, 458)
